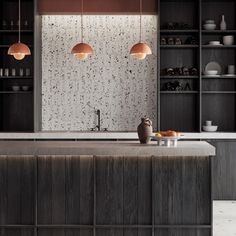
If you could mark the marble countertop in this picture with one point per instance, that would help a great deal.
(107, 135)
(134, 148)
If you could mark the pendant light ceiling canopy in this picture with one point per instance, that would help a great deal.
(19, 50)
(82, 50)
(141, 49)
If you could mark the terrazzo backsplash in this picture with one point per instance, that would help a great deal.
(123, 88)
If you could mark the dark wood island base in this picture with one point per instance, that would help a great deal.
(101, 195)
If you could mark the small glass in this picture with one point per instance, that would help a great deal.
(6, 72)
(27, 72)
(13, 72)
(25, 24)
(4, 24)
(21, 72)
(1, 72)
(12, 24)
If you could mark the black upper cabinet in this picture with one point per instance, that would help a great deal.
(187, 97)
(16, 77)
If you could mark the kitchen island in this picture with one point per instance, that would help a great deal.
(105, 188)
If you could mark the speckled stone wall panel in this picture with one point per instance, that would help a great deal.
(123, 88)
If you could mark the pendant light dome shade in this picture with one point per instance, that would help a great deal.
(19, 51)
(82, 51)
(140, 51)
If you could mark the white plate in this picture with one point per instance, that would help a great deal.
(212, 76)
(229, 75)
(214, 66)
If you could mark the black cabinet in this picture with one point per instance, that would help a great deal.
(16, 105)
(187, 98)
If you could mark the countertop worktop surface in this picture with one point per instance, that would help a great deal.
(184, 148)
(107, 135)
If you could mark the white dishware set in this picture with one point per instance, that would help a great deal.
(208, 127)
(213, 69)
(211, 25)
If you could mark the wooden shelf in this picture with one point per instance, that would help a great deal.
(179, 92)
(218, 47)
(187, 32)
(7, 46)
(15, 31)
(179, 77)
(16, 77)
(219, 31)
(15, 92)
(218, 77)
(219, 92)
(179, 46)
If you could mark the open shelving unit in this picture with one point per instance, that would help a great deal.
(16, 107)
(210, 98)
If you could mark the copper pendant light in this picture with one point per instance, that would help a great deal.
(141, 49)
(19, 50)
(82, 50)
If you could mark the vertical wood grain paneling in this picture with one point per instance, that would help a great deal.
(17, 190)
(64, 232)
(67, 189)
(109, 189)
(58, 190)
(182, 232)
(44, 190)
(130, 190)
(182, 190)
(3, 188)
(189, 189)
(203, 196)
(224, 174)
(144, 190)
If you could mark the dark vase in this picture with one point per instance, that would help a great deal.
(145, 130)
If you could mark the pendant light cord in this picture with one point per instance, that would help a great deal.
(82, 23)
(141, 12)
(19, 20)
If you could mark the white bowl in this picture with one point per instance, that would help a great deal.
(210, 72)
(209, 26)
(16, 88)
(209, 22)
(212, 128)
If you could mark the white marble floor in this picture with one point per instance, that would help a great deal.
(224, 218)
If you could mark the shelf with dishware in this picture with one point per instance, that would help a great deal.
(16, 76)
(180, 46)
(184, 32)
(212, 53)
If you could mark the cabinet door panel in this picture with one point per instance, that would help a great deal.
(17, 189)
(65, 189)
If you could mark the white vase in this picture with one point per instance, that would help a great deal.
(223, 23)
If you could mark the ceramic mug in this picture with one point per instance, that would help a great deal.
(228, 40)
(208, 123)
(231, 69)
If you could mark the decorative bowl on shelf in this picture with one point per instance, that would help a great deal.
(209, 26)
(25, 88)
(210, 72)
(210, 128)
(209, 22)
(215, 43)
(15, 88)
